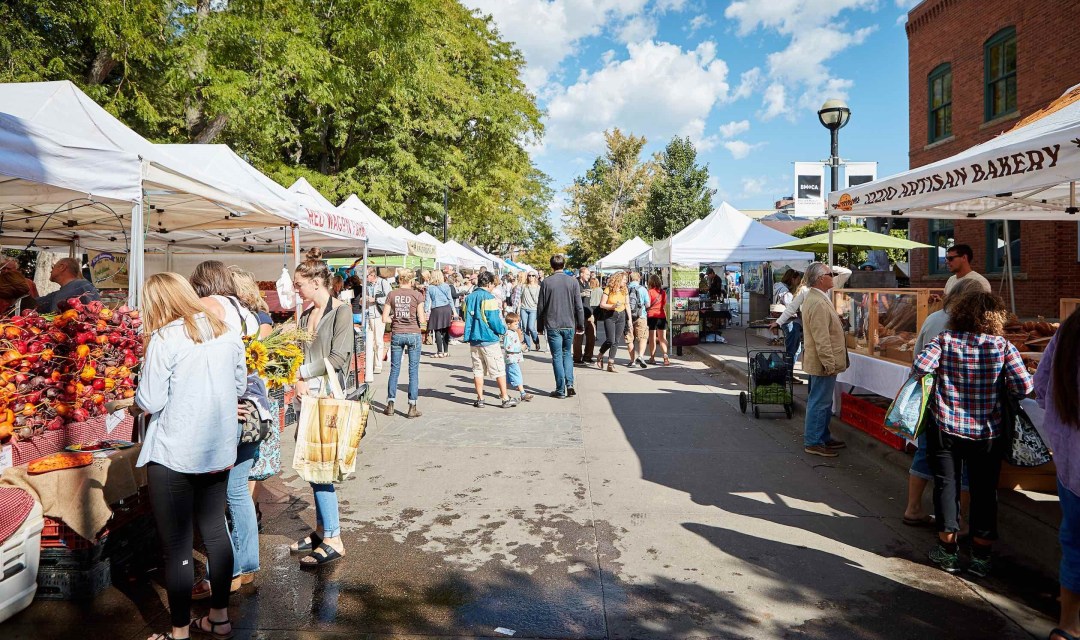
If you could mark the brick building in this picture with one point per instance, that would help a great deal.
(976, 68)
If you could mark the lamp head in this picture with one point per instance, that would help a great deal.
(834, 114)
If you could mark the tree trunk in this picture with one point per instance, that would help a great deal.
(212, 129)
(100, 68)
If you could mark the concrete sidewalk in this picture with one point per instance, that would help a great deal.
(647, 506)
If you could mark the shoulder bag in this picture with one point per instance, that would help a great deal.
(1025, 447)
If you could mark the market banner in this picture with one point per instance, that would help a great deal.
(108, 270)
(856, 173)
(809, 188)
(421, 249)
(335, 223)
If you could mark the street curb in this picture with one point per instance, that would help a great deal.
(1041, 549)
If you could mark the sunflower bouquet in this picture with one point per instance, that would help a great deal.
(278, 356)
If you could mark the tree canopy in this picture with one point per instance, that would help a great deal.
(395, 100)
(680, 193)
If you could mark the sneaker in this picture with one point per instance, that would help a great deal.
(980, 567)
(948, 562)
(389, 410)
(570, 392)
(478, 403)
(557, 394)
(413, 412)
(526, 397)
(835, 444)
(821, 450)
(508, 403)
(641, 363)
(588, 360)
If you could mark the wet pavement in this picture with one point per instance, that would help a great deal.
(647, 506)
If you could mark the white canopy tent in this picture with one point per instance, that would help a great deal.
(417, 245)
(172, 196)
(724, 236)
(1027, 173)
(382, 238)
(620, 258)
(498, 263)
(463, 257)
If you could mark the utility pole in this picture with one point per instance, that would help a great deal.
(445, 213)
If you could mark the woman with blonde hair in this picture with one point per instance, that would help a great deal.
(439, 305)
(330, 320)
(191, 378)
(615, 313)
(247, 291)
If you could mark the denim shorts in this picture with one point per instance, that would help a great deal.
(513, 375)
(1069, 534)
(920, 467)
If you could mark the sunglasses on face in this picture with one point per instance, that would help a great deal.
(950, 258)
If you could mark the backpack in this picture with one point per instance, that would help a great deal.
(637, 310)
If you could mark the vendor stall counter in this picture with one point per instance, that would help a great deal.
(883, 323)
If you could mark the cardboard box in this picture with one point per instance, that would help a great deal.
(1042, 478)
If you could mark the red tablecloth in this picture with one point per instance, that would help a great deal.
(15, 505)
(74, 433)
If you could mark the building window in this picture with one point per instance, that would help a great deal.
(995, 245)
(940, 102)
(941, 238)
(1000, 54)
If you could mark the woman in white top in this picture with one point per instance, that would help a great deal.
(214, 283)
(192, 375)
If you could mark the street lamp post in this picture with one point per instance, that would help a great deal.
(445, 213)
(834, 114)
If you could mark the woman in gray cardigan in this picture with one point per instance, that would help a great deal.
(331, 320)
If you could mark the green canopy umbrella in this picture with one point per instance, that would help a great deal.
(850, 239)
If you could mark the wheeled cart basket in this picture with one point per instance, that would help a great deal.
(769, 378)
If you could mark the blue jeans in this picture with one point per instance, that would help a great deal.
(1069, 534)
(528, 327)
(244, 532)
(326, 510)
(561, 343)
(398, 342)
(793, 332)
(818, 411)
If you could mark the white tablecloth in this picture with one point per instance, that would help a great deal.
(871, 374)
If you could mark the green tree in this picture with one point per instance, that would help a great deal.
(606, 204)
(680, 193)
(394, 100)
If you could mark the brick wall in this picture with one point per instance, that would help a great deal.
(955, 31)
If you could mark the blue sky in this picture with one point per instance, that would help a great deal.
(743, 79)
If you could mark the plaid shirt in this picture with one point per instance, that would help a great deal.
(966, 393)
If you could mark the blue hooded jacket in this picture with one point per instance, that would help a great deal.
(483, 322)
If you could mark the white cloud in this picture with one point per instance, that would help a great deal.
(699, 22)
(549, 31)
(658, 90)
(754, 186)
(749, 81)
(798, 73)
(907, 5)
(734, 128)
(638, 29)
(740, 149)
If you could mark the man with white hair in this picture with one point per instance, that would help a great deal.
(824, 358)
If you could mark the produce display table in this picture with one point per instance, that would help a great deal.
(117, 426)
(79, 497)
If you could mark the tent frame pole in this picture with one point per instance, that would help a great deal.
(1008, 267)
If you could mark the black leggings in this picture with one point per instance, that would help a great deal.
(614, 328)
(442, 340)
(178, 500)
(947, 455)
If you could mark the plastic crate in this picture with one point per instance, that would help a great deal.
(868, 417)
(74, 584)
(19, 565)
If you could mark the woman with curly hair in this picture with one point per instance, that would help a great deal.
(615, 313)
(973, 364)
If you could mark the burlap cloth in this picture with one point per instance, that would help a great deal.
(81, 497)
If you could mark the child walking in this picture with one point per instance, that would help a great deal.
(511, 343)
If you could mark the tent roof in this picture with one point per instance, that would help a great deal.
(847, 239)
(1027, 173)
(167, 182)
(316, 225)
(620, 257)
(725, 235)
(382, 238)
(463, 257)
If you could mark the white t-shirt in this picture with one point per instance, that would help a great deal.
(972, 275)
(245, 323)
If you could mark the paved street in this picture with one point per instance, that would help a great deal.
(647, 506)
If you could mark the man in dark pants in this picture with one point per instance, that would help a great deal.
(589, 335)
(561, 316)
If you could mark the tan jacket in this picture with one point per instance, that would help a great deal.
(823, 337)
